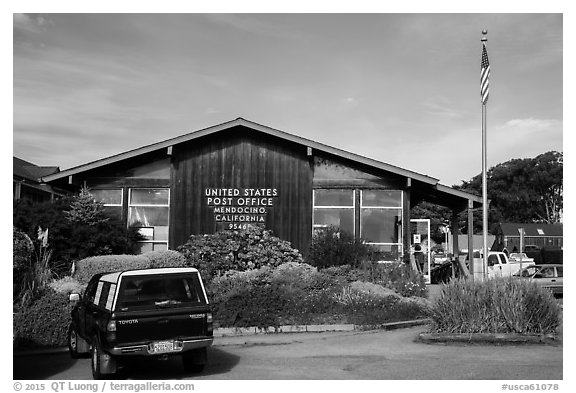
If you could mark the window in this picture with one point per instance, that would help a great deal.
(381, 220)
(334, 208)
(111, 199)
(141, 292)
(148, 209)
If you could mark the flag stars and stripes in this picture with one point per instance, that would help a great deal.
(484, 76)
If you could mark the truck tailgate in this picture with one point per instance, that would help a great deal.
(161, 325)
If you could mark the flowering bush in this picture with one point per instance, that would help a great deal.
(247, 249)
(67, 285)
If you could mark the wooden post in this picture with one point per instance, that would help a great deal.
(455, 233)
(406, 241)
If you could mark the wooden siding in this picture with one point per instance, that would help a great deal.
(241, 158)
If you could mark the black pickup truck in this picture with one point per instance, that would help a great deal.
(146, 313)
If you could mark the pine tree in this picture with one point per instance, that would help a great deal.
(84, 209)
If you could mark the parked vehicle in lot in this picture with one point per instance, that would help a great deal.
(550, 276)
(519, 257)
(439, 258)
(498, 264)
(146, 313)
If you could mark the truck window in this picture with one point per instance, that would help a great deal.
(502, 259)
(492, 260)
(153, 292)
(560, 271)
(90, 292)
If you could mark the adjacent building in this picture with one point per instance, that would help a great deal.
(26, 182)
(507, 235)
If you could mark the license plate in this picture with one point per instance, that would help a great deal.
(163, 347)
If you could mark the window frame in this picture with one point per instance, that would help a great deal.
(400, 208)
(167, 205)
(316, 227)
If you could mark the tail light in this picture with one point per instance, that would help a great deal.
(209, 327)
(111, 331)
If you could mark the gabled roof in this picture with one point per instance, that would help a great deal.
(240, 122)
(29, 171)
(444, 192)
(531, 229)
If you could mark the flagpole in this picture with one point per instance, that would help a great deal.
(484, 180)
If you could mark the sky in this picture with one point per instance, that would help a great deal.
(403, 89)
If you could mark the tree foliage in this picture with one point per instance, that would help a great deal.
(524, 190)
(85, 210)
(520, 190)
(75, 239)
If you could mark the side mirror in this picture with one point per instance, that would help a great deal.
(74, 298)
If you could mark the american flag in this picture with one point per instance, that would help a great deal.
(484, 76)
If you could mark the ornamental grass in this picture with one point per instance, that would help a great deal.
(499, 305)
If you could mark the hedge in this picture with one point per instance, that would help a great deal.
(88, 267)
(44, 323)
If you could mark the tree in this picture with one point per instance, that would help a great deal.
(73, 234)
(523, 190)
(84, 209)
(439, 216)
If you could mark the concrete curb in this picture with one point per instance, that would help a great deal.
(488, 338)
(249, 331)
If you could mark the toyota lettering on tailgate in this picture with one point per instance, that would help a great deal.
(128, 322)
(197, 316)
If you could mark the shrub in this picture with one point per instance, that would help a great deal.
(251, 248)
(165, 258)
(73, 240)
(31, 266)
(296, 293)
(44, 323)
(372, 304)
(400, 277)
(88, 267)
(245, 299)
(335, 247)
(22, 249)
(499, 305)
(67, 285)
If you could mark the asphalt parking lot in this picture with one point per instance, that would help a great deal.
(369, 355)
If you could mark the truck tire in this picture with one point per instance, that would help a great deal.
(194, 361)
(98, 368)
(75, 343)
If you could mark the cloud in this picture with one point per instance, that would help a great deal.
(531, 124)
(254, 25)
(29, 23)
(442, 107)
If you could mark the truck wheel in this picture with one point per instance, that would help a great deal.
(75, 343)
(194, 361)
(96, 361)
